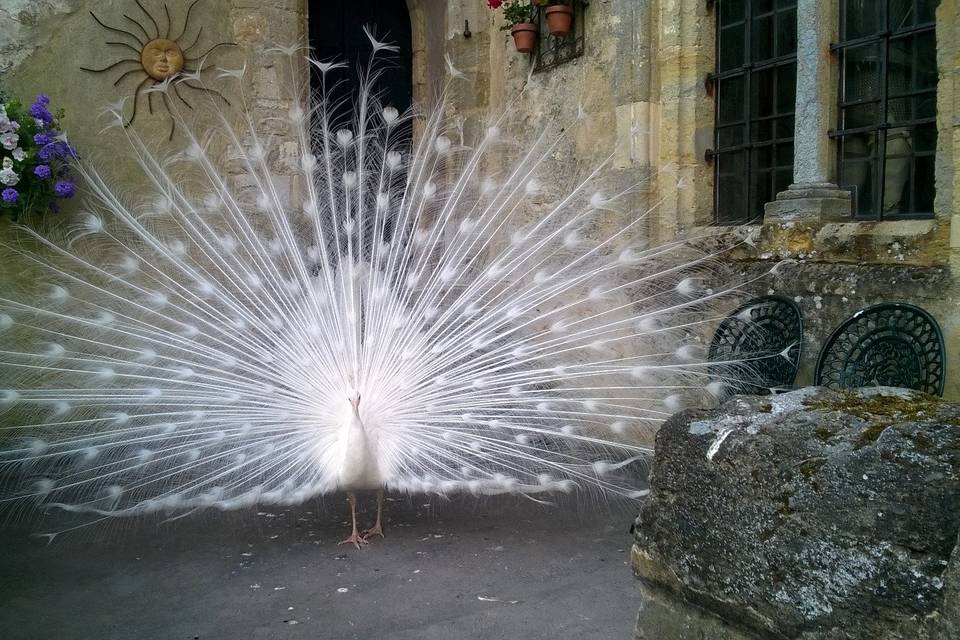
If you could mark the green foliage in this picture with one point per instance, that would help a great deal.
(518, 12)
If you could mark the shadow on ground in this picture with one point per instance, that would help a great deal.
(504, 568)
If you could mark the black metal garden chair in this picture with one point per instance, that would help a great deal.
(757, 347)
(891, 344)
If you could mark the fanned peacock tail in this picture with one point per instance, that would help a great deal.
(199, 348)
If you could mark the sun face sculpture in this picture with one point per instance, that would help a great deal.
(161, 58)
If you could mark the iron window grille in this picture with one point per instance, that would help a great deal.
(552, 51)
(755, 85)
(887, 134)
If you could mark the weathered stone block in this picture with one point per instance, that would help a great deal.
(814, 514)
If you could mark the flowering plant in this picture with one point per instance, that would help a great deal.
(515, 12)
(35, 157)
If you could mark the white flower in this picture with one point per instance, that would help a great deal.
(7, 163)
(19, 154)
(9, 177)
(9, 140)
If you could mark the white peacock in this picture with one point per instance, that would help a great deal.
(401, 330)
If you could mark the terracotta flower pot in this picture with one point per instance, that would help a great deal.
(559, 19)
(524, 36)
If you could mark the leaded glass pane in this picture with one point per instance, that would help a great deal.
(787, 32)
(861, 18)
(902, 14)
(730, 100)
(732, 51)
(731, 187)
(731, 11)
(926, 11)
(730, 137)
(924, 187)
(786, 88)
(861, 73)
(763, 36)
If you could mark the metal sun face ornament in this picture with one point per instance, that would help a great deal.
(160, 58)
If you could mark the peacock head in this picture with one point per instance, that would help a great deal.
(354, 398)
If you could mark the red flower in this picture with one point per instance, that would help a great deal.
(494, 4)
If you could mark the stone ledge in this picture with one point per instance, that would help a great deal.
(908, 242)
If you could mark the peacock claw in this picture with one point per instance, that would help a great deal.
(375, 530)
(355, 539)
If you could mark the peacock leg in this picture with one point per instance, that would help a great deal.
(377, 529)
(355, 538)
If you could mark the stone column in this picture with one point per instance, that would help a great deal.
(812, 196)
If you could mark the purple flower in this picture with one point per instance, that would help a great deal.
(52, 151)
(43, 99)
(42, 139)
(40, 112)
(9, 195)
(63, 189)
(42, 171)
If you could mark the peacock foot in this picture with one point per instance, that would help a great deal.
(355, 539)
(375, 530)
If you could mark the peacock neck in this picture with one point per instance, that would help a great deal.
(360, 469)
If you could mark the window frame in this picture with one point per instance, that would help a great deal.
(749, 71)
(882, 125)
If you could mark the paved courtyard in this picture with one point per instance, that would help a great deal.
(505, 568)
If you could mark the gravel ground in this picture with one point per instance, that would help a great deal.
(505, 568)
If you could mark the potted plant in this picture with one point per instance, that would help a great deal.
(559, 16)
(34, 158)
(519, 16)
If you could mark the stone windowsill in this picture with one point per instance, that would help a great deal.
(916, 242)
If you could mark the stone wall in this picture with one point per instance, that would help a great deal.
(43, 46)
(642, 86)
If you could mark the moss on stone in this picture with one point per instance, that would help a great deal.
(868, 407)
(823, 434)
(881, 411)
(809, 468)
(921, 442)
(783, 504)
(870, 435)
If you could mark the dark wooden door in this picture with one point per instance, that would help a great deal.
(336, 33)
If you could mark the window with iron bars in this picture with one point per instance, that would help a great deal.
(887, 134)
(755, 86)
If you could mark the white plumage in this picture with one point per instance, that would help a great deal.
(402, 322)
(359, 455)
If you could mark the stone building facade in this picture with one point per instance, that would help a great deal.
(644, 92)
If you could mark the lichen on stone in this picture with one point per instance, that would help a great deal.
(881, 404)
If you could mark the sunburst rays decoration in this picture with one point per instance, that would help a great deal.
(161, 59)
